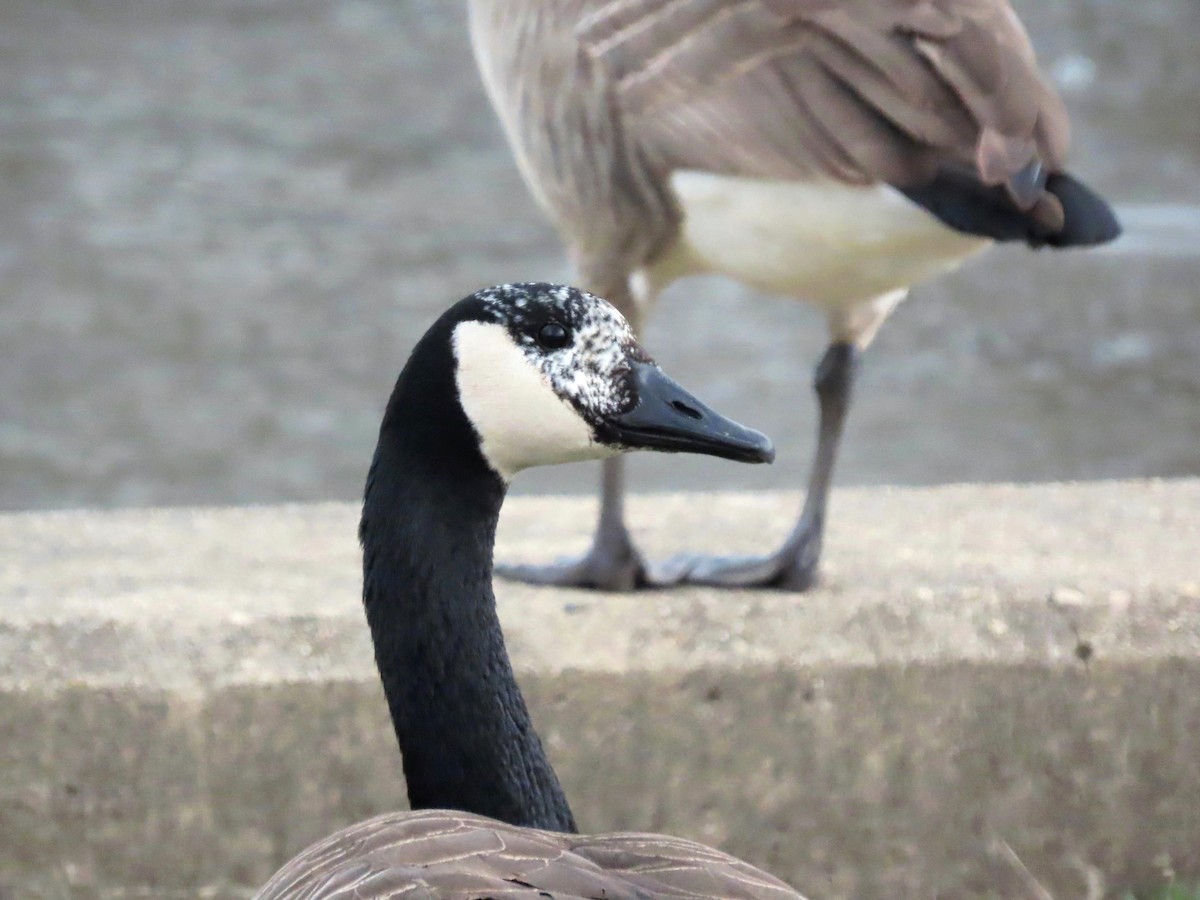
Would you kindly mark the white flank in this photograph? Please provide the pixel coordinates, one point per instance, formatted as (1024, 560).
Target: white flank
(831, 244)
(519, 419)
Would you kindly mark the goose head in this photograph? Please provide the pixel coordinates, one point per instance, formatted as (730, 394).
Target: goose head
(550, 374)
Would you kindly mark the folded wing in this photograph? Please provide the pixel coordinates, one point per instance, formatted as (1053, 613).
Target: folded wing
(861, 91)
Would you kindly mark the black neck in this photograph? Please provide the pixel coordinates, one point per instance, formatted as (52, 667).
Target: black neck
(428, 527)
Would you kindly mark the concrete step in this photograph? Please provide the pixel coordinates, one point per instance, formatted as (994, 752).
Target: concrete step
(995, 687)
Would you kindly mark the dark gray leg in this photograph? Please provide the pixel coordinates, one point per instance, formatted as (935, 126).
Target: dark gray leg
(794, 566)
(612, 563)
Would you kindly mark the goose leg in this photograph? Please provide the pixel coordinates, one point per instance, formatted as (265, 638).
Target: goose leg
(612, 563)
(794, 566)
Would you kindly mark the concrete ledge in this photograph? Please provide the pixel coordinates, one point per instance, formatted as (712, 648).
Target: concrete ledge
(995, 685)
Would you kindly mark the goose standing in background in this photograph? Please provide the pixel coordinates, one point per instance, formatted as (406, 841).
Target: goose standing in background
(511, 377)
(837, 151)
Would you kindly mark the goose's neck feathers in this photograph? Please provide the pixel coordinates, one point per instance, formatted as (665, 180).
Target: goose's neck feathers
(464, 730)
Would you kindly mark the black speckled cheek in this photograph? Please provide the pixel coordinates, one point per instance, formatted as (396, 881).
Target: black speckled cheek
(592, 373)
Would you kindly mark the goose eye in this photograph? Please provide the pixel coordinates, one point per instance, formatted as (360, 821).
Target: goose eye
(553, 336)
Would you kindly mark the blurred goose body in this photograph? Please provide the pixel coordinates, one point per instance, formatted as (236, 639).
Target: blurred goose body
(511, 377)
(836, 151)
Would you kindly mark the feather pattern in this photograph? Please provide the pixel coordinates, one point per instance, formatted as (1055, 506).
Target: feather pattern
(582, 166)
(434, 853)
(856, 90)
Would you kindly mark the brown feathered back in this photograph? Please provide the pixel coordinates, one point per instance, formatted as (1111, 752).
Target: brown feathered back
(456, 855)
(857, 90)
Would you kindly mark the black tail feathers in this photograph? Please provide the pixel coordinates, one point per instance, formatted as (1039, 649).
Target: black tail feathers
(960, 201)
(1087, 218)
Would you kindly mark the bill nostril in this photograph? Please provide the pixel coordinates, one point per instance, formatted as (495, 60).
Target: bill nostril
(681, 407)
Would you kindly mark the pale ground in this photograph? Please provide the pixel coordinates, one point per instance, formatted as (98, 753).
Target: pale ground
(938, 560)
(994, 684)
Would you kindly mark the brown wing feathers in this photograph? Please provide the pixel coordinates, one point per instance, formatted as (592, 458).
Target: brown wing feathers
(458, 855)
(858, 90)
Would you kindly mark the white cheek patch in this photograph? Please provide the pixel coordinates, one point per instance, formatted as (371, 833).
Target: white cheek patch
(519, 419)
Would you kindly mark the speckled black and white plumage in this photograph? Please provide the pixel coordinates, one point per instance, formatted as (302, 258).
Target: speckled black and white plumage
(592, 371)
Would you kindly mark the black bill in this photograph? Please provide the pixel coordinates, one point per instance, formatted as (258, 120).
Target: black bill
(666, 417)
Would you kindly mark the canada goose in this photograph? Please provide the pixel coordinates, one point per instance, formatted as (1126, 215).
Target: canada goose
(513, 376)
(837, 151)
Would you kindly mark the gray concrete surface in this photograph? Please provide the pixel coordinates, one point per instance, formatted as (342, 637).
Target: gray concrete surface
(223, 224)
(996, 687)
